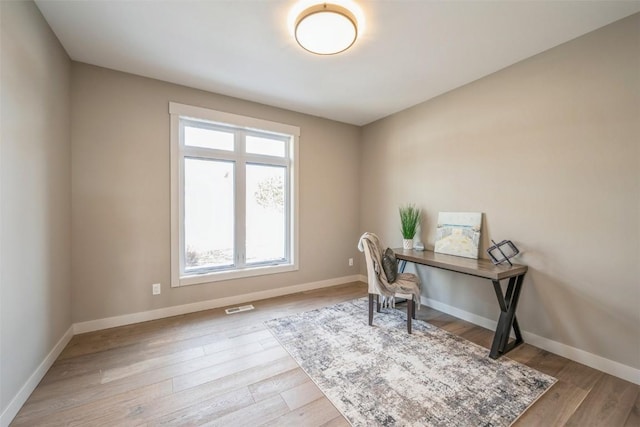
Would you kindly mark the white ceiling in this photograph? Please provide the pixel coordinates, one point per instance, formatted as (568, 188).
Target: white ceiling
(409, 52)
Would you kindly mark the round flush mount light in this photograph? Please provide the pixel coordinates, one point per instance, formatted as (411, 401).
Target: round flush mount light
(326, 29)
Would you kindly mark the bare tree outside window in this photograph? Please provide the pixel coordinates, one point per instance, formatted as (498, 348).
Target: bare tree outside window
(270, 193)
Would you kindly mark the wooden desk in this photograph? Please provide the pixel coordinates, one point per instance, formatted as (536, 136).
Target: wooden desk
(485, 269)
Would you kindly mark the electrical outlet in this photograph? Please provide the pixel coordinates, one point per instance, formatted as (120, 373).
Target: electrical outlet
(155, 289)
(350, 262)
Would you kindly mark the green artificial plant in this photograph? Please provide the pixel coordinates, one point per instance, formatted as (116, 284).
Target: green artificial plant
(409, 220)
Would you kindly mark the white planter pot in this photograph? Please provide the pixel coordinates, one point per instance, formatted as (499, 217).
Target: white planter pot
(407, 243)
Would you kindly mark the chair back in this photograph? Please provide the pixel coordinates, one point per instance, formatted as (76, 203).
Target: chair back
(373, 266)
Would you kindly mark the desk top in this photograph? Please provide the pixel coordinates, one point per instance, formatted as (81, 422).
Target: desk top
(474, 267)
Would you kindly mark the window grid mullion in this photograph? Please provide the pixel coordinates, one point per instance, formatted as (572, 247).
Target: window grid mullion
(265, 160)
(207, 153)
(240, 201)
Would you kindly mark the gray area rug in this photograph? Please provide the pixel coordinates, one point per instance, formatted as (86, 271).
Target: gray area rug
(381, 375)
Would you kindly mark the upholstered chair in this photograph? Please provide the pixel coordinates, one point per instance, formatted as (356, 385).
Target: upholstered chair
(383, 288)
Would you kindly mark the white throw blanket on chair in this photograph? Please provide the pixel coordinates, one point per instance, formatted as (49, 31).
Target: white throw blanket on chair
(405, 283)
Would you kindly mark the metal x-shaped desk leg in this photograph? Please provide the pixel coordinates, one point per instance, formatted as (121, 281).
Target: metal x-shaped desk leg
(508, 304)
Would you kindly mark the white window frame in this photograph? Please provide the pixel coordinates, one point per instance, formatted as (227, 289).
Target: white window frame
(246, 125)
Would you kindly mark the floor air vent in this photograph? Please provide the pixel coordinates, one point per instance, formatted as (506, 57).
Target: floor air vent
(234, 310)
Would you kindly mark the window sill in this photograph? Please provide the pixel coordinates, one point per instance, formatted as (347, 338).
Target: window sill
(196, 279)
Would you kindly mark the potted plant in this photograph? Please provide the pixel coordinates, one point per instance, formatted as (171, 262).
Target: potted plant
(409, 220)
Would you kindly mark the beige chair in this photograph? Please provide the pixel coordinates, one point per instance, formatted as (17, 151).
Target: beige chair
(406, 285)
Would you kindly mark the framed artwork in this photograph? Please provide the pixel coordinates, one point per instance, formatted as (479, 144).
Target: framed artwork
(458, 233)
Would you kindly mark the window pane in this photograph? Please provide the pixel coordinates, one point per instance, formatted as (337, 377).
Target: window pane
(266, 146)
(208, 138)
(208, 214)
(266, 214)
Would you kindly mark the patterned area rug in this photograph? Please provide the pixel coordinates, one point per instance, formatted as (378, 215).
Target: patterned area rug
(381, 375)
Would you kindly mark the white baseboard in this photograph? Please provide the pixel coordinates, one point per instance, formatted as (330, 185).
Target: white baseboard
(128, 319)
(592, 360)
(600, 363)
(21, 397)
(460, 314)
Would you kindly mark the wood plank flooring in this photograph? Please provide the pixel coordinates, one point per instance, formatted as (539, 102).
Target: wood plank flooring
(209, 368)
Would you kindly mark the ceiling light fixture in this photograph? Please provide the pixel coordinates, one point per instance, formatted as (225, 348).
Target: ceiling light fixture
(326, 29)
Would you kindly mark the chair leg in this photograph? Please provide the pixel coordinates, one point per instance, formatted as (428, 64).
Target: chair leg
(410, 314)
(370, 309)
(413, 309)
(378, 303)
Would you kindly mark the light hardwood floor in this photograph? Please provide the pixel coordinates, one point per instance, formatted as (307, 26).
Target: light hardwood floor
(216, 369)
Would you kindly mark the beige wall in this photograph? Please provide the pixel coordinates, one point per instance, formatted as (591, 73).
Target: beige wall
(35, 216)
(548, 149)
(121, 205)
